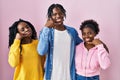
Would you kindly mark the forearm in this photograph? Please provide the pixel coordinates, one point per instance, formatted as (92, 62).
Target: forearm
(103, 57)
(43, 43)
(14, 53)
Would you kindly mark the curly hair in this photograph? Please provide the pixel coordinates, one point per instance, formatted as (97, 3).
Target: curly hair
(13, 31)
(50, 9)
(91, 24)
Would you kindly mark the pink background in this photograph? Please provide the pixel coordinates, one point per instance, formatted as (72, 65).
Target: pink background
(105, 12)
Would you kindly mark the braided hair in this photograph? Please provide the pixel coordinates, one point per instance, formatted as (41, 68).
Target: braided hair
(50, 9)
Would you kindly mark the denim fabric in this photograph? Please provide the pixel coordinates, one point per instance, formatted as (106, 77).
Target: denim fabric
(79, 77)
(45, 46)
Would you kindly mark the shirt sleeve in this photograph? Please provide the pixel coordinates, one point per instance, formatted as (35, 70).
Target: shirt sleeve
(103, 57)
(14, 53)
(43, 44)
(78, 39)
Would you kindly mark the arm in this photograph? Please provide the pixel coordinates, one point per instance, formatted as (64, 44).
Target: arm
(97, 42)
(105, 47)
(14, 53)
(43, 60)
(43, 44)
(78, 39)
(103, 57)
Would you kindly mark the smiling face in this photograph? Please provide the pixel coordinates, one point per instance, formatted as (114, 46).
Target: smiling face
(24, 29)
(88, 34)
(57, 16)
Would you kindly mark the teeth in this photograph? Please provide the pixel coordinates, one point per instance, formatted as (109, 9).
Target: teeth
(59, 20)
(87, 39)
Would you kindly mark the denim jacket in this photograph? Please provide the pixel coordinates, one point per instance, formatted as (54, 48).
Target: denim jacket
(46, 46)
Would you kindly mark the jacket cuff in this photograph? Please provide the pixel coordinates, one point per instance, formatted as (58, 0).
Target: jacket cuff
(16, 42)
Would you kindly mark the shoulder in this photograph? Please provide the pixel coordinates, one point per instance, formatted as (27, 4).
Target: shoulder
(81, 45)
(46, 30)
(35, 41)
(69, 28)
(80, 48)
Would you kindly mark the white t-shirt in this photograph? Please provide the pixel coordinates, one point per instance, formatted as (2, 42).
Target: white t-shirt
(61, 56)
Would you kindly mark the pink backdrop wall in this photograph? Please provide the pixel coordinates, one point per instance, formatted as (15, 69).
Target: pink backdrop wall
(105, 12)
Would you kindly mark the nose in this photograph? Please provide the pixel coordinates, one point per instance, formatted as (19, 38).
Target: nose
(26, 29)
(58, 15)
(86, 35)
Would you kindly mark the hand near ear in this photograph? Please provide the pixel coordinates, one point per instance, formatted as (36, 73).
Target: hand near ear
(49, 23)
(18, 36)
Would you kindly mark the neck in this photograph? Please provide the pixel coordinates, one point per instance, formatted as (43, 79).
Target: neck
(26, 40)
(89, 46)
(60, 28)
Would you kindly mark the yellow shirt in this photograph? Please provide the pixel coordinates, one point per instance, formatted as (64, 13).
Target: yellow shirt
(28, 64)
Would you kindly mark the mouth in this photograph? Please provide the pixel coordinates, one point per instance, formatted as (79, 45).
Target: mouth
(59, 20)
(87, 39)
(28, 33)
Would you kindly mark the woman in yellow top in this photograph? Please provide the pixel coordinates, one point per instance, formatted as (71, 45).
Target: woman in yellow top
(23, 53)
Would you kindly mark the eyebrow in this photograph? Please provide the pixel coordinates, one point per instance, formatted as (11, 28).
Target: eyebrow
(26, 25)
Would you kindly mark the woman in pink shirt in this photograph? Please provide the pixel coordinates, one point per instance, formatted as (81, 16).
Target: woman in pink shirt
(91, 55)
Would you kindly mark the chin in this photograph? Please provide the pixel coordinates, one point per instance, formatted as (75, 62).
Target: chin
(87, 41)
(58, 24)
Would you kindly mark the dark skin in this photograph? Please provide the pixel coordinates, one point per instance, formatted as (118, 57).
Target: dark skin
(56, 20)
(93, 43)
(24, 33)
(88, 36)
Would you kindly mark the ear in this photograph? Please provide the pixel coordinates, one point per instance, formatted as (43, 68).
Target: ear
(95, 34)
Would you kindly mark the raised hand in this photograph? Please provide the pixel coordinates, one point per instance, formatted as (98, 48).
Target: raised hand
(95, 42)
(49, 23)
(18, 36)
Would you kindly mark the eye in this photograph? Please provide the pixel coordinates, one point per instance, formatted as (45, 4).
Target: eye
(89, 33)
(83, 34)
(22, 29)
(27, 26)
(60, 13)
(54, 14)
